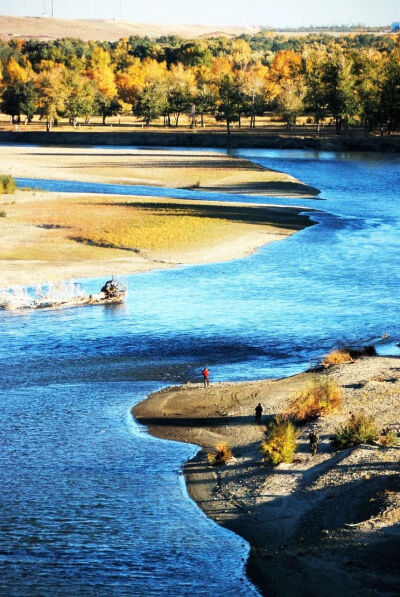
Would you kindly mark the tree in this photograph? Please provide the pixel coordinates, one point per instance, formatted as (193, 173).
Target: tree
(230, 101)
(151, 103)
(369, 74)
(101, 73)
(339, 84)
(204, 103)
(51, 93)
(315, 97)
(289, 102)
(19, 98)
(80, 95)
(107, 107)
(390, 98)
(14, 72)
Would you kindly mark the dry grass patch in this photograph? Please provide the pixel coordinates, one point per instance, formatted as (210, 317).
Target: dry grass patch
(319, 397)
(7, 184)
(104, 223)
(337, 357)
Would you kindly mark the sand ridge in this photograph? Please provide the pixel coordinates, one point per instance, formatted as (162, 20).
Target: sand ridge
(331, 520)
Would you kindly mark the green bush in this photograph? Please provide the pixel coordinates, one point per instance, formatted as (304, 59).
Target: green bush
(318, 397)
(280, 442)
(359, 429)
(7, 184)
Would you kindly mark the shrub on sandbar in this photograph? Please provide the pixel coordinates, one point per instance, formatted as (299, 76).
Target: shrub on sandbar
(359, 429)
(280, 442)
(318, 397)
(336, 357)
(7, 184)
(388, 439)
(221, 456)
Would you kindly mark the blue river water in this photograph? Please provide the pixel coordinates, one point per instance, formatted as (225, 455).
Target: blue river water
(92, 505)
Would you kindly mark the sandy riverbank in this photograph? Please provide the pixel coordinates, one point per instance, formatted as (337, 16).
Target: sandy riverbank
(205, 170)
(51, 236)
(328, 523)
(48, 236)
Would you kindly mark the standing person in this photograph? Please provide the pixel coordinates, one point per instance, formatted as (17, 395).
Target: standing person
(259, 409)
(206, 376)
(313, 437)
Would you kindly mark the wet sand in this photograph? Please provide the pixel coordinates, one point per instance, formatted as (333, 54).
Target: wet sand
(328, 521)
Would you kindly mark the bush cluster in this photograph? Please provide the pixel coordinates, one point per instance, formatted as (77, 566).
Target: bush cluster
(359, 429)
(336, 357)
(318, 397)
(7, 184)
(280, 442)
(388, 439)
(221, 456)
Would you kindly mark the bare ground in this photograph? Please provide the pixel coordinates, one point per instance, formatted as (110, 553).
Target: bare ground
(197, 170)
(46, 28)
(328, 523)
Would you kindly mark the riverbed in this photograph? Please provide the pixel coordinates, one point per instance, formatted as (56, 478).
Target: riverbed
(90, 503)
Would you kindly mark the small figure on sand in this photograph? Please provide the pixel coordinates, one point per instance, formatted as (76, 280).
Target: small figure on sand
(313, 437)
(258, 410)
(206, 376)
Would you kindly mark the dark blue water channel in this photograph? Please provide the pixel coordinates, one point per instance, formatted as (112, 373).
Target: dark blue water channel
(89, 503)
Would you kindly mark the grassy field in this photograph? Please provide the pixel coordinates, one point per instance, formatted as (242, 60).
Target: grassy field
(79, 228)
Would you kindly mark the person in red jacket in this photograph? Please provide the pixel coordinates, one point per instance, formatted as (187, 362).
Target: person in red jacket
(206, 376)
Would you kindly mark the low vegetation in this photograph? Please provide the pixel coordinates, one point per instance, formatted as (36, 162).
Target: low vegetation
(7, 184)
(388, 439)
(280, 442)
(359, 429)
(100, 222)
(336, 357)
(3, 214)
(321, 396)
(221, 456)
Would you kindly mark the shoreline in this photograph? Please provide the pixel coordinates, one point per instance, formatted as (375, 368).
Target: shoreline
(305, 521)
(205, 139)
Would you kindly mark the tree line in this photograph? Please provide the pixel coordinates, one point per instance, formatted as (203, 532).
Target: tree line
(353, 80)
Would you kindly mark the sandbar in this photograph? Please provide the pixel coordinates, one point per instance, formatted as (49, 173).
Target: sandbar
(327, 523)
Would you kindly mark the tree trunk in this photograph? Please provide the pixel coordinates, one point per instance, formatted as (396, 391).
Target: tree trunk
(228, 127)
(104, 119)
(177, 118)
(202, 119)
(48, 126)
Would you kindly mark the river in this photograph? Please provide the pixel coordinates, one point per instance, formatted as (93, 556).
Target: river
(92, 505)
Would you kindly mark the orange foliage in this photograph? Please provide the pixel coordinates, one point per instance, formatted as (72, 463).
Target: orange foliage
(101, 73)
(14, 72)
(285, 64)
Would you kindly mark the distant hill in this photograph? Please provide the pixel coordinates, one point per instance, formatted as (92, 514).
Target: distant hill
(46, 28)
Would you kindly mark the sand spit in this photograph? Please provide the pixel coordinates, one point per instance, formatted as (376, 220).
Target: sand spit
(328, 523)
(194, 169)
